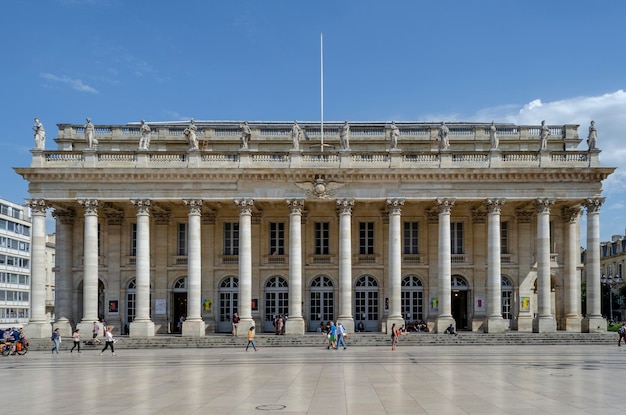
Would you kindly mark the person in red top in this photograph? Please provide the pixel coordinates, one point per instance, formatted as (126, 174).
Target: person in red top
(235, 324)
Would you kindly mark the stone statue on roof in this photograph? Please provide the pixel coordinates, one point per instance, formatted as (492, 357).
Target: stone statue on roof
(442, 136)
(544, 133)
(395, 135)
(592, 138)
(90, 134)
(344, 136)
(144, 141)
(40, 134)
(296, 135)
(190, 133)
(493, 136)
(246, 135)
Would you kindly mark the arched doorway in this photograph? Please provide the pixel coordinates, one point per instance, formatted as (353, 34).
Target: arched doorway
(322, 308)
(366, 303)
(460, 302)
(276, 301)
(412, 298)
(131, 304)
(179, 303)
(228, 303)
(79, 302)
(507, 299)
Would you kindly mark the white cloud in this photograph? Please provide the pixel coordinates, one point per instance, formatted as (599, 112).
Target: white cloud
(75, 84)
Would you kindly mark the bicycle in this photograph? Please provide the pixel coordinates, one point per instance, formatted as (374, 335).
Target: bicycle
(21, 347)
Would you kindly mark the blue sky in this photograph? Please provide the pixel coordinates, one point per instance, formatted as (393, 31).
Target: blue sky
(120, 61)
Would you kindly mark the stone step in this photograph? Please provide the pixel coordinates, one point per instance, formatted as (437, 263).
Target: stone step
(356, 339)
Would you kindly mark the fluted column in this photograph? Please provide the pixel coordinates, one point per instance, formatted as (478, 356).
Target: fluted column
(593, 322)
(90, 262)
(194, 325)
(295, 322)
(63, 277)
(344, 208)
(142, 325)
(571, 277)
(245, 265)
(395, 263)
(38, 326)
(494, 323)
(545, 321)
(444, 318)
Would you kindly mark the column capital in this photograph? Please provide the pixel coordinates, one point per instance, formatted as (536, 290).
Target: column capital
(65, 216)
(142, 206)
(571, 214)
(344, 206)
(445, 205)
(295, 206)
(543, 205)
(194, 206)
(494, 205)
(245, 205)
(593, 204)
(395, 206)
(37, 206)
(90, 206)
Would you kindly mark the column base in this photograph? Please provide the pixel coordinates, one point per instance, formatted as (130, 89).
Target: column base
(525, 324)
(399, 321)
(65, 327)
(544, 325)
(442, 323)
(38, 330)
(573, 324)
(141, 328)
(495, 325)
(194, 328)
(294, 326)
(348, 323)
(594, 325)
(244, 326)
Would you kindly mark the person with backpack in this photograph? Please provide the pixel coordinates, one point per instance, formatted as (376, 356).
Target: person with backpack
(56, 340)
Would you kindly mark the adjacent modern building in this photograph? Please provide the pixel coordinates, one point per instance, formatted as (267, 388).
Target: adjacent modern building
(476, 225)
(612, 260)
(15, 250)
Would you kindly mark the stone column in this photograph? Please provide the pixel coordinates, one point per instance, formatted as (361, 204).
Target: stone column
(344, 208)
(142, 326)
(444, 317)
(295, 322)
(245, 265)
(38, 324)
(494, 323)
(593, 322)
(90, 265)
(523, 317)
(194, 325)
(544, 322)
(571, 277)
(395, 263)
(63, 285)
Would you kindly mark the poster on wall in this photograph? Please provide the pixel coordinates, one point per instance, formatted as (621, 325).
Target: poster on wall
(114, 306)
(160, 306)
(524, 303)
(479, 303)
(434, 303)
(255, 304)
(207, 303)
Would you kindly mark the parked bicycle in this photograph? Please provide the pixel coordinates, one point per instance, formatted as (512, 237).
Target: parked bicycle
(21, 347)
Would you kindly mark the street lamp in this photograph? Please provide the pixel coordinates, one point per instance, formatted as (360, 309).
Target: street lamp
(612, 282)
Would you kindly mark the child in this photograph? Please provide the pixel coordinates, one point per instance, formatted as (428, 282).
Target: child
(251, 339)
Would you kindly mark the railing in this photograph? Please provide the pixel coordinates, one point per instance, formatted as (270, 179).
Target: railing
(505, 258)
(177, 260)
(366, 258)
(458, 258)
(275, 259)
(412, 259)
(322, 259)
(229, 259)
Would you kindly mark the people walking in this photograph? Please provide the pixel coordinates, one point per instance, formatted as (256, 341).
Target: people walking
(56, 340)
(333, 336)
(251, 339)
(94, 333)
(108, 337)
(76, 340)
(341, 334)
(394, 337)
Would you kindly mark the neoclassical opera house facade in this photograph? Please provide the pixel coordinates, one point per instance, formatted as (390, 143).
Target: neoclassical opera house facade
(477, 225)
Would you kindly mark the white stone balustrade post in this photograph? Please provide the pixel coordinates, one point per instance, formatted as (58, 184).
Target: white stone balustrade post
(295, 322)
(142, 326)
(544, 322)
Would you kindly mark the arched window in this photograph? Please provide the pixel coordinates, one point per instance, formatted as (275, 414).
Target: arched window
(412, 298)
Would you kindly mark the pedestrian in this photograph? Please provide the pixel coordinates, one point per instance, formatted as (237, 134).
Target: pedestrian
(235, 324)
(450, 330)
(76, 340)
(341, 334)
(333, 336)
(394, 336)
(108, 338)
(56, 340)
(251, 339)
(622, 334)
(94, 332)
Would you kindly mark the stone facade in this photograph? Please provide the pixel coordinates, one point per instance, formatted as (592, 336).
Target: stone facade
(483, 237)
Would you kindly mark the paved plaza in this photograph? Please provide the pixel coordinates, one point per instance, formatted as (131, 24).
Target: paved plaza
(521, 379)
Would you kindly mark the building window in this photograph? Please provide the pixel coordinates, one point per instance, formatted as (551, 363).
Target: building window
(277, 238)
(507, 298)
(322, 238)
(133, 239)
(411, 238)
(366, 238)
(182, 239)
(456, 238)
(504, 238)
(231, 238)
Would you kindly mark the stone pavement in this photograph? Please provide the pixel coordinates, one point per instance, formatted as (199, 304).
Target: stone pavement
(525, 379)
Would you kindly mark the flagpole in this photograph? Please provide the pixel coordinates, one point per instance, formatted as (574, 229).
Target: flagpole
(321, 92)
